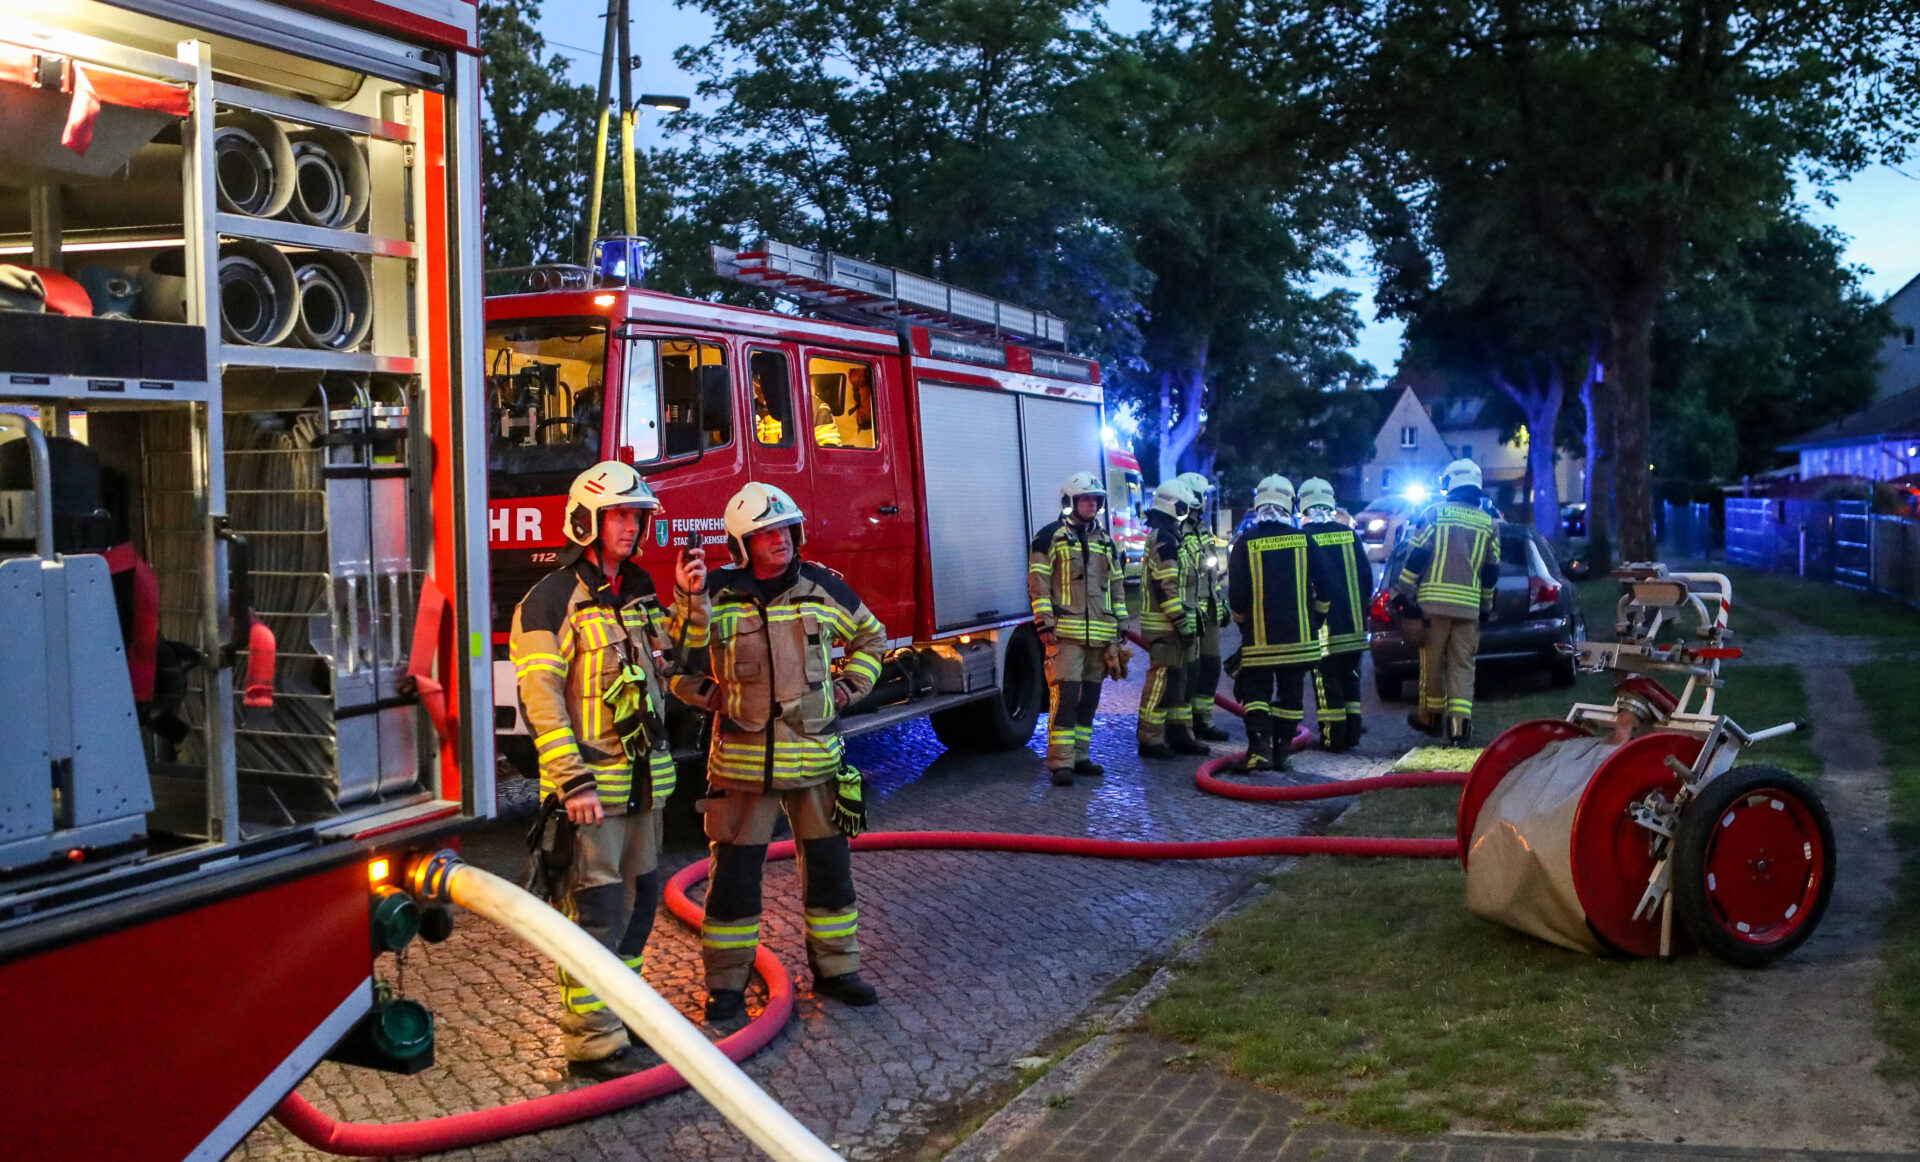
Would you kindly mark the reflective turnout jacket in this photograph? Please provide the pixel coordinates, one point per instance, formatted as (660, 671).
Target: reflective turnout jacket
(1075, 582)
(770, 656)
(1277, 586)
(1166, 580)
(573, 633)
(1208, 602)
(1453, 563)
(1350, 577)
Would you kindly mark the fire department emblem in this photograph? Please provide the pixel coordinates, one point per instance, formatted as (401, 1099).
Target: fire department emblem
(660, 533)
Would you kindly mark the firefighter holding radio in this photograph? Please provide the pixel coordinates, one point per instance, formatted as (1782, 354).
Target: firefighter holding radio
(593, 652)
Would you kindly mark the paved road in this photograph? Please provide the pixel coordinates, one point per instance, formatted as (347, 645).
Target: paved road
(979, 957)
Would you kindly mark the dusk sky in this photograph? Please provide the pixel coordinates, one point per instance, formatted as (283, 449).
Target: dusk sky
(1872, 212)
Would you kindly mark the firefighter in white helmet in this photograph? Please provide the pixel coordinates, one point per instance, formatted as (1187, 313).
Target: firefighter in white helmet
(776, 696)
(593, 650)
(1276, 584)
(1448, 579)
(1343, 630)
(1079, 595)
(1171, 624)
(1203, 681)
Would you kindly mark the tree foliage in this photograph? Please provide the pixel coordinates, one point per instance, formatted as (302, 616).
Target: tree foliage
(536, 141)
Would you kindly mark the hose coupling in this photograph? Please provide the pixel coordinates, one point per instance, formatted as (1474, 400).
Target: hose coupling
(428, 876)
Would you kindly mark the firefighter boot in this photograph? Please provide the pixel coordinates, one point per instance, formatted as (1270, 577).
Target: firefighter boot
(1460, 732)
(1089, 768)
(622, 1062)
(1352, 729)
(1063, 776)
(1180, 738)
(1205, 730)
(726, 1006)
(847, 988)
(1421, 724)
(1157, 750)
(1259, 756)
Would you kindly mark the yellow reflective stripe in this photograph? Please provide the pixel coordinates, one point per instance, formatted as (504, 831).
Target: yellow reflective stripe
(730, 935)
(830, 926)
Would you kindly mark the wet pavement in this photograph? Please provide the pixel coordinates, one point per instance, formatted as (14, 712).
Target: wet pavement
(980, 958)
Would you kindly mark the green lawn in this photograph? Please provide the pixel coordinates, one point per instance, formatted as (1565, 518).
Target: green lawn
(1366, 987)
(1820, 604)
(1889, 690)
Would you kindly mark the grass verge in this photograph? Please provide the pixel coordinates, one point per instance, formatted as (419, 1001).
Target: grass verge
(1366, 987)
(1888, 689)
(1833, 608)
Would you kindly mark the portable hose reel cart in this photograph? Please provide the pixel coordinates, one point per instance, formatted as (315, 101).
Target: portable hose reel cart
(1582, 834)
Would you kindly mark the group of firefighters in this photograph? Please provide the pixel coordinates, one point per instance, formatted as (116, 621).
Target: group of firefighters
(597, 651)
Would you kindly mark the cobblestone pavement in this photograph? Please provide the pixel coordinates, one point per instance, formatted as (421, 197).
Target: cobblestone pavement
(1145, 1104)
(979, 959)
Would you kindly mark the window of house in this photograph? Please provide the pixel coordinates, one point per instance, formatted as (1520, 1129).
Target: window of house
(772, 399)
(696, 396)
(1906, 336)
(842, 395)
(1409, 437)
(1386, 480)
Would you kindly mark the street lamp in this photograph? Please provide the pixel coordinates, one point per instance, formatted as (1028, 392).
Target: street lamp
(664, 103)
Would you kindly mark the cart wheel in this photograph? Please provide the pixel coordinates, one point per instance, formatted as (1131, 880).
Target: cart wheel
(1514, 745)
(1753, 865)
(1613, 855)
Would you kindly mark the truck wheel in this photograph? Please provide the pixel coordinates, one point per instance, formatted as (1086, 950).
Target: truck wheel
(1753, 865)
(1003, 721)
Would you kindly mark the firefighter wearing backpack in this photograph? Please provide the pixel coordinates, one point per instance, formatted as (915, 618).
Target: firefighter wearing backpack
(1276, 586)
(592, 652)
(1079, 596)
(1171, 625)
(776, 696)
(1449, 578)
(1204, 679)
(1343, 631)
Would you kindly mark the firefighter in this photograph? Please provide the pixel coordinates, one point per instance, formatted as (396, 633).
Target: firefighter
(1276, 587)
(1343, 631)
(1449, 577)
(1078, 590)
(769, 679)
(1204, 679)
(1171, 625)
(588, 645)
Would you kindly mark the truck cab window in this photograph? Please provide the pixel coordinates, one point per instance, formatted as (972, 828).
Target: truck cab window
(842, 403)
(696, 396)
(772, 399)
(546, 396)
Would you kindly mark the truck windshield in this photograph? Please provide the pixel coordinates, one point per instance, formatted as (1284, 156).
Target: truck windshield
(546, 396)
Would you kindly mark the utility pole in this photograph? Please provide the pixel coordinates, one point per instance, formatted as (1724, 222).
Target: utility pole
(615, 45)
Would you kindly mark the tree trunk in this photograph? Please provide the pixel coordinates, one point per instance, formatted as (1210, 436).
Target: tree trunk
(1177, 437)
(1597, 397)
(1540, 404)
(1632, 333)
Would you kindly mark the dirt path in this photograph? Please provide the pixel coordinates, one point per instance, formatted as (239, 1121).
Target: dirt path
(1785, 1057)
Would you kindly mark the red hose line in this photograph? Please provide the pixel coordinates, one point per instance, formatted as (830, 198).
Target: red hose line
(312, 1126)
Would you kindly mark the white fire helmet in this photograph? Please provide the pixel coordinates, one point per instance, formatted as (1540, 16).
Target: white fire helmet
(1175, 499)
(1274, 492)
(607, 485)
(1082, 484)
(759, 507)
(1316, 493)
(1460, 474)
(1197, 484)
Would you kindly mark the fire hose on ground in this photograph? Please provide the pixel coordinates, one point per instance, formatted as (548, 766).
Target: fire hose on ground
(709, 1066)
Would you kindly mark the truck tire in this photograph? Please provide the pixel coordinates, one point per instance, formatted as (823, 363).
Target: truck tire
(1753, 865)
(1002, 721)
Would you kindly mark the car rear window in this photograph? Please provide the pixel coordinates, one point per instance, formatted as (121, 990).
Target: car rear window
(1515, 552)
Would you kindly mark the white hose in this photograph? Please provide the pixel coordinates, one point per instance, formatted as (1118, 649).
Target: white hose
(671, 1035)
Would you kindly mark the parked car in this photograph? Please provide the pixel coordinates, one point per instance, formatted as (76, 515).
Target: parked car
(1573, 519)
(1533, 615)
(1379, 524)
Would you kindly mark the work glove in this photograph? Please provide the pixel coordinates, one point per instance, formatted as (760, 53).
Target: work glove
(1486, 614)
(1232, 664)
(549, 852)
(849, 801)
(1117, 656)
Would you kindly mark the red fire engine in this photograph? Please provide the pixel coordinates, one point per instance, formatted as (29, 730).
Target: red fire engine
(241, 563)
(923, 429)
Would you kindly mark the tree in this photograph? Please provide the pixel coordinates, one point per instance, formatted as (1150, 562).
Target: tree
(1619, 136)
(536, 141)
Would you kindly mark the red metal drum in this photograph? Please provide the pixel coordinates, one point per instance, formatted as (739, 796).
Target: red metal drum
(1613, 855)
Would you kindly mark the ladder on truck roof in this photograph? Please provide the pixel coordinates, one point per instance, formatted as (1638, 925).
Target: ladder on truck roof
(854, 290)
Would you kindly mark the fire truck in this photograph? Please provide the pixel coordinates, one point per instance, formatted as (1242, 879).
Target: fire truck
(242, 566)
(923, 429)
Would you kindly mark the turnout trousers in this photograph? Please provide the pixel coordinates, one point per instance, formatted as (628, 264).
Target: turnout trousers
(1203, 679)
(1163, 699)
(1446, 669)
(1075, 670)
(1336, 688)
(613, 894)
(739, 824)
(1273, 699)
